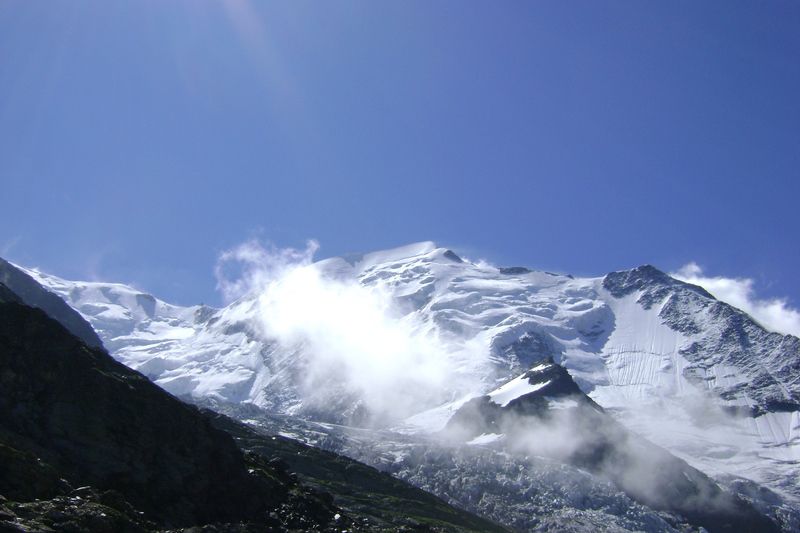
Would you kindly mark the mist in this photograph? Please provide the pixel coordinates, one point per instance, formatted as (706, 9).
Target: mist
(357, 344)
(579, 433)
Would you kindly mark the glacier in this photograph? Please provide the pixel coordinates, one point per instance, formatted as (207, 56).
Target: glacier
(662, 357)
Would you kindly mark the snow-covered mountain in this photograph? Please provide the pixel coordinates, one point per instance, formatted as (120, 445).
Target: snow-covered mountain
(662, 357)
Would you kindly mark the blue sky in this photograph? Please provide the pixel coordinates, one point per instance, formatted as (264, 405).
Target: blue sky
(139, 139)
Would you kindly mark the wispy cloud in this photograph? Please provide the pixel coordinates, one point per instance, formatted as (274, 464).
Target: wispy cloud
(773, 313)
(253, 266)
(351, 340)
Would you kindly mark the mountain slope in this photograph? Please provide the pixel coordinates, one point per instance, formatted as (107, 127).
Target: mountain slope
(662, 357)
(72, 416)
(545, 404)
(765, 369)
(33, 294)
(387, 501)
(97, 423)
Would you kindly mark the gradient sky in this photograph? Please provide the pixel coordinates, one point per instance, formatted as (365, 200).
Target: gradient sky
(139, 139)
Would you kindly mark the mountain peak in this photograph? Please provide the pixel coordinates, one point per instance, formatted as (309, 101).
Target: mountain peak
(633, 341)
(645, 277)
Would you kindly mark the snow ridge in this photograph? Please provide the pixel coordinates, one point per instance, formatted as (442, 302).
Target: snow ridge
(664, 357)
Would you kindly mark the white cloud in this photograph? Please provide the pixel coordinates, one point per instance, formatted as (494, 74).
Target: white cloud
(252, 266)
(774, 314)
(351, 338)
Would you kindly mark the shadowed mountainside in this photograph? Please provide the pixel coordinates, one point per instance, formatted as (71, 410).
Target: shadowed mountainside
(89, 445)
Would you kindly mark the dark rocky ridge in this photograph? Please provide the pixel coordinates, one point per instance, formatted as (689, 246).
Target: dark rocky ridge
(482, 415)
(513, 271)
(451, 255)
(771, 361)
(594, 441)
(71, 416)
(648, 278)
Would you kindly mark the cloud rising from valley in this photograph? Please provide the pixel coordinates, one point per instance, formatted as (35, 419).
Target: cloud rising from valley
(357, 344)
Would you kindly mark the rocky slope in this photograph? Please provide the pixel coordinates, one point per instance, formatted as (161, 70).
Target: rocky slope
(90, 445)
(545, 404)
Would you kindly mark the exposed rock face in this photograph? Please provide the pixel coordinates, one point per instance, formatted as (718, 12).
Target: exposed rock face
(722, 336)
(80, 510)
(585, 436)
(656, 284)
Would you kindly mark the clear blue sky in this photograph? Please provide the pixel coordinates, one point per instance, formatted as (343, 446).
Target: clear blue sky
(138, 139)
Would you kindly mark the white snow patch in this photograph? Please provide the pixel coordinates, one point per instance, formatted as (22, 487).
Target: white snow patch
(486, 438)
(515, 388)
(432, 420)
